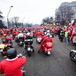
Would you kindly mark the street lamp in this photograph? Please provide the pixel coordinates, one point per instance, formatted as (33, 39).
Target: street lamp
(8, 15)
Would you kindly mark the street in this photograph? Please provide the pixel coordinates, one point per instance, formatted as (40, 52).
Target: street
(58, 64)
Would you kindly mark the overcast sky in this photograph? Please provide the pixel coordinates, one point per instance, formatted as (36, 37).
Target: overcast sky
(32, 11)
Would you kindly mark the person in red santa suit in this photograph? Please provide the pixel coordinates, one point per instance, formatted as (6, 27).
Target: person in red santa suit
(43, 42)
(39, 33)
(11, 66)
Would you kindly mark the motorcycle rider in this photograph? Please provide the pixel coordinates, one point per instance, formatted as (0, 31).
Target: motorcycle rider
(39, 33)
(9, 39)
(28, 39)
(28, 42)
(11, 66)
(48, 33)
(44, 40)
(20, 36)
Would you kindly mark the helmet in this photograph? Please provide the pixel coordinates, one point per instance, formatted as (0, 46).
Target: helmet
(11, 53)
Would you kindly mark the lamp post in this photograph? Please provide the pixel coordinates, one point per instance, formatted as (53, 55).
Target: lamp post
(8, 15)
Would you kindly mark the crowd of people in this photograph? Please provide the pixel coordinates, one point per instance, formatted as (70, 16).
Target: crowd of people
(65, 34)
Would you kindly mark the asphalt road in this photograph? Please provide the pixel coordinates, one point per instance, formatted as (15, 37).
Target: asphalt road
(58, 64)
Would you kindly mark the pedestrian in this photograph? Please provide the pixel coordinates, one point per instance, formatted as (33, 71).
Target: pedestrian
(59, 30)
(66, 37)
(61, 35)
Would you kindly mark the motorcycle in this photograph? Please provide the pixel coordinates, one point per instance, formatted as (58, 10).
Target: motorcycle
(20, 42)
(3, 49)
(38, 39)
(9, 42)
(47, 48)
(73, 55)
(28, 47)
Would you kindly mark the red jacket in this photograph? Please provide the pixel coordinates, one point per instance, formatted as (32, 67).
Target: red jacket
(12, 67)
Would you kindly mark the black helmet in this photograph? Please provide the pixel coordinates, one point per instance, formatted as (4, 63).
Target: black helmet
(11, 53)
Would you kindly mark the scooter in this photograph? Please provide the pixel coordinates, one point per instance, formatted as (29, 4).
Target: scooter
(28, 47)
(47, 48)
(73, 55)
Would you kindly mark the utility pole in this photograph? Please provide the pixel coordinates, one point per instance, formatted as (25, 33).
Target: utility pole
(8, 15)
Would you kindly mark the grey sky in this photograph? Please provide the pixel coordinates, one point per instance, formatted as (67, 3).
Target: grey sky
(32, 11)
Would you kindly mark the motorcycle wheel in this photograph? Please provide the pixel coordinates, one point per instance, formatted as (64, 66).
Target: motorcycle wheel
(72, 55)
(29, 53)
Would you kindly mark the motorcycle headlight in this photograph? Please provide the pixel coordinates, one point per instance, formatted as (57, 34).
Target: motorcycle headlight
(29, 48)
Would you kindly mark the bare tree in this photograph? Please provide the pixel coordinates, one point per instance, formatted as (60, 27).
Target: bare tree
(65, 13)
(15, 21)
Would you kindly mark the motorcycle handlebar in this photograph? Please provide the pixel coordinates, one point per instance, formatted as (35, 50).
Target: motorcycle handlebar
(20, 55)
